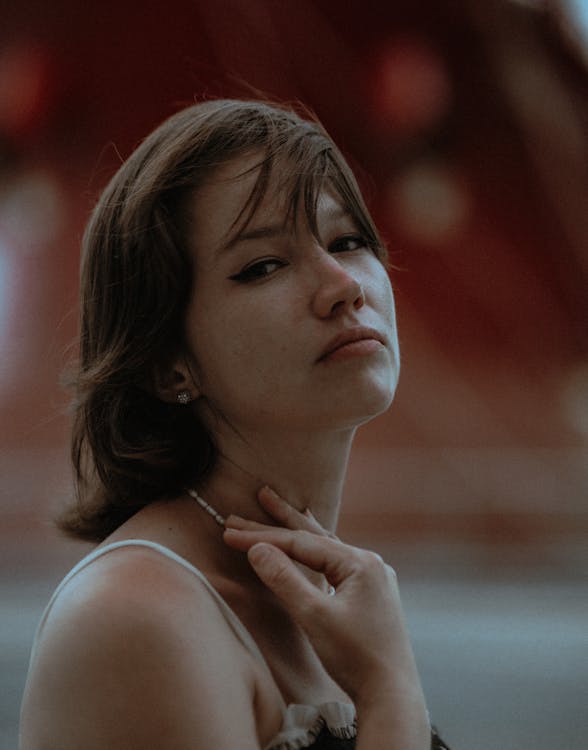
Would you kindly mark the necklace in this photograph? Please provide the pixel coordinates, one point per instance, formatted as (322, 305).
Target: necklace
(207, 507)
(221, 521)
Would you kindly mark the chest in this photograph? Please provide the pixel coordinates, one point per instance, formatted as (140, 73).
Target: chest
(294, 668)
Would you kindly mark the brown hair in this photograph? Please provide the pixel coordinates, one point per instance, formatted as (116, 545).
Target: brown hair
(130, 448)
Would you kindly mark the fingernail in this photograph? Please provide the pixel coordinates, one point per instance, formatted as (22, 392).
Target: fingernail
(268, 490)
(308, 513)
(259, 553)
(234, 521)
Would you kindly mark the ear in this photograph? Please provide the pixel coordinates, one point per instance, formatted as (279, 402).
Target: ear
(174, 379)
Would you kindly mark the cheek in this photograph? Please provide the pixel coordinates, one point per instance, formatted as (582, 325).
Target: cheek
(382, 294)
(228, 343)
(383, 300)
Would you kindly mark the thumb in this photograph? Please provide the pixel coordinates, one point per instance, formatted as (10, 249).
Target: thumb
(281, 576)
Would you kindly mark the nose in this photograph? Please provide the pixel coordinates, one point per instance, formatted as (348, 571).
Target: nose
(337, 290)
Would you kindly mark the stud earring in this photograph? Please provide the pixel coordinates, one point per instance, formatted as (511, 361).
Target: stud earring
(184, 397)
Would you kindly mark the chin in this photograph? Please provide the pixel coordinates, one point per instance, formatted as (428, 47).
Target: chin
(378, 404)
(377, 393)
(361, 404)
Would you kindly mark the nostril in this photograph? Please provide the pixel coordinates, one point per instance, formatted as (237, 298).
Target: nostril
(338, 290)
(337, 306)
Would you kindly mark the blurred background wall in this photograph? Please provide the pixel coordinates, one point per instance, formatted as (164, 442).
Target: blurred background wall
(466, 121)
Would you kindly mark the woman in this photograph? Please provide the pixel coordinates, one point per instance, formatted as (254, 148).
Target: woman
(237, 326)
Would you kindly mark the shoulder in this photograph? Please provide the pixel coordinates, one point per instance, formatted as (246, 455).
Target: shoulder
(135, 652)
(133, 588)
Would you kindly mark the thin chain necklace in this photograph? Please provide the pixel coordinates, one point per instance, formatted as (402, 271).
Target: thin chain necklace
(221, 520)
(207, 507)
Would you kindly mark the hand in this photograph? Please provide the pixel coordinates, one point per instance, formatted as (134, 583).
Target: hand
(359, 633)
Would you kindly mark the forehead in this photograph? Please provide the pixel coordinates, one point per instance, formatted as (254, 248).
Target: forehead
(223, 205)
(221, 200)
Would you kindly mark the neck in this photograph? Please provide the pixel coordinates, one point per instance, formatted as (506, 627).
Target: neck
(308, 471)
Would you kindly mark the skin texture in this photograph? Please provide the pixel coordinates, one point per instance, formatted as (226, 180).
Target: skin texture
(135, 653)
(272, 328)
(291, 420)
(370, 656)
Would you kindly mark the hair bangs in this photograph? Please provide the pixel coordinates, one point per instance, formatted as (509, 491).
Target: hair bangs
(299, 170)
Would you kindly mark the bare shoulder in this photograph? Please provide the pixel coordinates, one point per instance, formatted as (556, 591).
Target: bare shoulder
(136, 653)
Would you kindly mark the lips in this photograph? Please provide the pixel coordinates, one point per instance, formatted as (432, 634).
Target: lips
(350, 336)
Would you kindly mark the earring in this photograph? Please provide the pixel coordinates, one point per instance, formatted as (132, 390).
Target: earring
(184, 397)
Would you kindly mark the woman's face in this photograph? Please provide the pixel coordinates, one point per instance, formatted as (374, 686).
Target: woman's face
(270, 311)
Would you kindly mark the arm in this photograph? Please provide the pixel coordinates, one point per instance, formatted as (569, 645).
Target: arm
(359, 634)
(143, 661)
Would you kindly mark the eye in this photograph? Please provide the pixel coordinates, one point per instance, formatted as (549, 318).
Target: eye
(349, 242)
(260, 269)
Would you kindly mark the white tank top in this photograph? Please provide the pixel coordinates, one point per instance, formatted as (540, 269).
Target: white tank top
(301, 723)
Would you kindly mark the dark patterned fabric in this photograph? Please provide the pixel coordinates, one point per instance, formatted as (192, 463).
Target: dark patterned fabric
(326, 741)
(436, 741)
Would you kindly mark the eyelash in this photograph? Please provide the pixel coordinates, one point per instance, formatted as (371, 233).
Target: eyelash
(257, 270)
(362, 243)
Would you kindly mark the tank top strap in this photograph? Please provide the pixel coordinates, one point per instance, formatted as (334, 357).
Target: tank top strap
(232, 619)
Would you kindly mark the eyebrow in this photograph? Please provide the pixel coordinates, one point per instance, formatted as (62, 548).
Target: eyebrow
(259, 233)
(278, 230)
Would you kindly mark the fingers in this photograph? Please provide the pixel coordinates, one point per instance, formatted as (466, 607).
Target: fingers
(280, 575)
(277, 508)
(244, 524)
(282, 512)
(314, 526)
(300, 521)
(286, 514)
(334, 559)
(291, 519)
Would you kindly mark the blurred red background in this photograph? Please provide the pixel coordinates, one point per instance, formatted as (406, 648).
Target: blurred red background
(467, 124)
